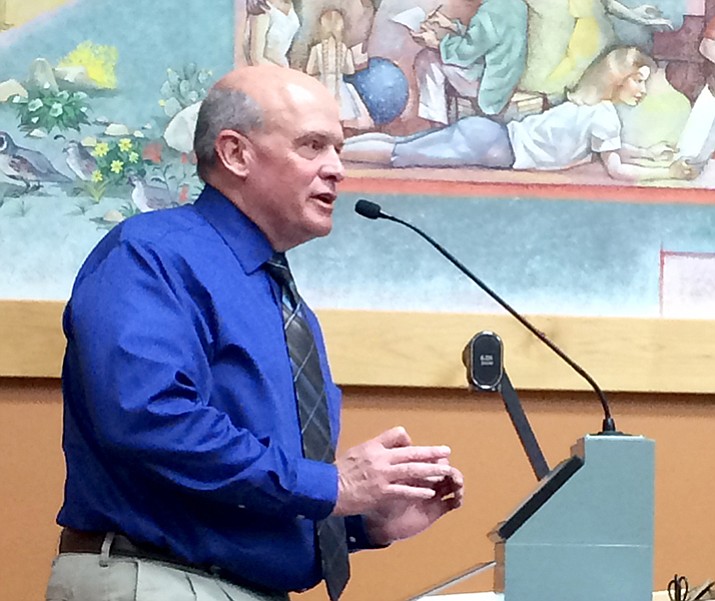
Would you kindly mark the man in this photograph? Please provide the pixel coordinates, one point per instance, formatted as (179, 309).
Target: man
(184, 396)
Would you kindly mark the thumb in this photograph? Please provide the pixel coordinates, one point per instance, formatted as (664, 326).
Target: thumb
(394, 438)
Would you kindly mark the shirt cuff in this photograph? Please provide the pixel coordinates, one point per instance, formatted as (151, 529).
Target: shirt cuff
(357, 534)
(461, 28)
(316, 489)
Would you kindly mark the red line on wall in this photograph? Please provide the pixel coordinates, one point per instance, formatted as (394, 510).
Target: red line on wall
(632, 194)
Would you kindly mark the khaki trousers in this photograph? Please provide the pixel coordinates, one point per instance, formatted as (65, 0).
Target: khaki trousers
(90, 577)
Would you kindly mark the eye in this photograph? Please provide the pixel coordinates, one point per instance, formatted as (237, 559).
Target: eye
(310, 148)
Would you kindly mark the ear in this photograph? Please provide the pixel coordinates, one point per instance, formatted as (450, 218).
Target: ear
(233, 152)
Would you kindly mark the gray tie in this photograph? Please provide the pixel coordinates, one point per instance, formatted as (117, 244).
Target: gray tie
(314, 419)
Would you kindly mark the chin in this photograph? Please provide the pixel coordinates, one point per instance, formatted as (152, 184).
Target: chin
(321, 232)
(316, 230)
(320, 223)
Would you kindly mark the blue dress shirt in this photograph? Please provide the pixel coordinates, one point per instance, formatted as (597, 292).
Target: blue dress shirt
(180, 421)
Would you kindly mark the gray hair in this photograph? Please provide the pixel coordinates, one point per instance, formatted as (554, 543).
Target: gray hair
(223, 108)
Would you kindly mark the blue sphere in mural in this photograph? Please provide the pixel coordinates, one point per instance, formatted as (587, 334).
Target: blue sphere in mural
(383, 88)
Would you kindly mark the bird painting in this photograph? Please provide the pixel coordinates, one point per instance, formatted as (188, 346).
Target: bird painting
(30, 167)
(79, 160)
(147, 197)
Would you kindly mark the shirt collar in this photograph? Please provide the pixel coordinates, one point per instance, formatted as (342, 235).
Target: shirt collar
(248, 243)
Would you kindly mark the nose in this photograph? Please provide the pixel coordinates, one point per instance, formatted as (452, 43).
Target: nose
(332, 167)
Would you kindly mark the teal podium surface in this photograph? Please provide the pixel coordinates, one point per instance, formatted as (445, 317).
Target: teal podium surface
(586, 532)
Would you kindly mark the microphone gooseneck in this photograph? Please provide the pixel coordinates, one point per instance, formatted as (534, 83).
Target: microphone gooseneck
(372, 210)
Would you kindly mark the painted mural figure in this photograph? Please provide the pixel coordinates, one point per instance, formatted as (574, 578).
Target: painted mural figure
(272, 25)
(27, 166)
(550, 24)
(638, 27)
(329, 60)
(572, 133)
(593, 32)
(483, 60)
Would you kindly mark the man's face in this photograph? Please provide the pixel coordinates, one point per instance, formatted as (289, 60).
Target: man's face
(295, 169)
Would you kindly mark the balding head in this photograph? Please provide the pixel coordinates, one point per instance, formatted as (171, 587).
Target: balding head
(252, 98)
(274, 88)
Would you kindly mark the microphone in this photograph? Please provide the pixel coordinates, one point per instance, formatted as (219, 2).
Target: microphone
(371, 210)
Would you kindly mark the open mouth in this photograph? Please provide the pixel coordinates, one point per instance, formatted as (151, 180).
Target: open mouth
(325, 197)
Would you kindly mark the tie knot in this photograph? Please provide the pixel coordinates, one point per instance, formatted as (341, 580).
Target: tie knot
(277, 267)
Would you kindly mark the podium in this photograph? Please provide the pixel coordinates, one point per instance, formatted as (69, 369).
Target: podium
(586, 532)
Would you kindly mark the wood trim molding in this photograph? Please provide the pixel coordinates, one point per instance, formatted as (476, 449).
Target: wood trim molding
(425, 349)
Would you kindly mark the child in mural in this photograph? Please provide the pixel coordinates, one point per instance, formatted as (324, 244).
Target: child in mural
(272, 25)
(563, 136)
(483, 60)
(328, 61)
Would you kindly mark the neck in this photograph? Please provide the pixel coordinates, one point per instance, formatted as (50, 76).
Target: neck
(230, 186)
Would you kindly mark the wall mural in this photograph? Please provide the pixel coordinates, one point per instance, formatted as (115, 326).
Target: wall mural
(602, 151)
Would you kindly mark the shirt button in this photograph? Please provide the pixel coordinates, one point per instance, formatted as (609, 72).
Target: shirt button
(242, 507)
(352, 539)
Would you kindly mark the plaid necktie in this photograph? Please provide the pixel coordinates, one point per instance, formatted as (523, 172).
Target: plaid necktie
(314, 419)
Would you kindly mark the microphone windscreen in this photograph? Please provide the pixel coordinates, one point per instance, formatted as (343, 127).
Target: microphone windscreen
(368, 209)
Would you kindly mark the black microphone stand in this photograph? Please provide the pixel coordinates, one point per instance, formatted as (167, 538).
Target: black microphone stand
(608, 426)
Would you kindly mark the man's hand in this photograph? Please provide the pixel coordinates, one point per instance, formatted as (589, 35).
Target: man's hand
(398, 519)
(388, 469)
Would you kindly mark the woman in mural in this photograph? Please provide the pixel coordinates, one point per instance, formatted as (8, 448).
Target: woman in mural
(328, 61)
(572, 133)
(272, 25)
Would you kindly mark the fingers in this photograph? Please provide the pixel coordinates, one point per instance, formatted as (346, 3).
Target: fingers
(455, 487)
(419, 472)
(410, 493)
(684, 169)
(398, 438)
(412, 454)
(390, 467)
(690, 170)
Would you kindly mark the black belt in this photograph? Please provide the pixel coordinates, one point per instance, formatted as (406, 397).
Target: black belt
(78, 541)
